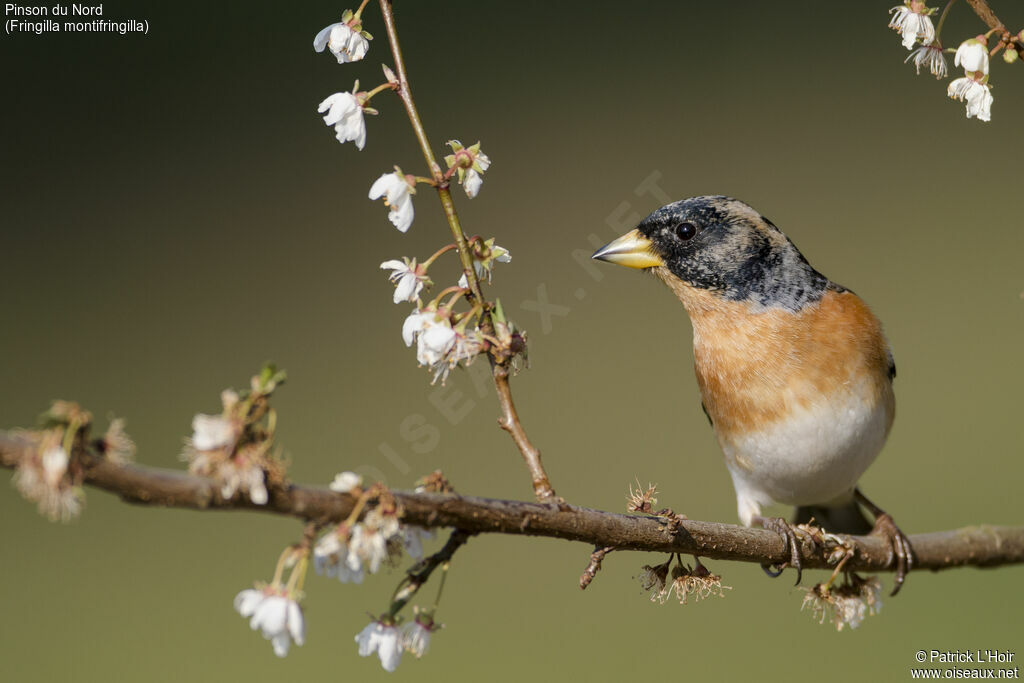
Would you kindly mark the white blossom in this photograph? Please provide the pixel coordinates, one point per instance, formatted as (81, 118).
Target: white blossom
(972, 55)
(240, 470)
(241, 474)
(247, 601)
(871, 592)
(472, 183)
(848, 611)
(386, 524)
(466, 347)
(369, 547)
(351, 569)
(275, 614)
(408, 280)
(397, 192)
(912, 21)
(387, 527)
(344, 42)
(481, 162)
(415, 323)
(55, 465)
(471, 164)
(416, 637)
(42, 478)
(846, 605)
(977, 96)
(434, 343)
(474, 175)
(210, 432)
(345, 482)
(433, 334)
(345, 113)
(326, 550)
(331, 557)
(930, 56)
(383, 639)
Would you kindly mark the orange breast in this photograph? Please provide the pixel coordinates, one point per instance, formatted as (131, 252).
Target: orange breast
(755, 365)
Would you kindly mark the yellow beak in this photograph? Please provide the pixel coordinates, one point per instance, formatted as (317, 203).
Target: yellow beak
(632, 250)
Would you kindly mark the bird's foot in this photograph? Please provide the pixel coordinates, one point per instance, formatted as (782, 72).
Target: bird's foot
(900, 551)
(899, 548)
(788, 533)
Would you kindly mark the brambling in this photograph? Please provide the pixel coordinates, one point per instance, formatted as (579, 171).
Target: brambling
(794, 372)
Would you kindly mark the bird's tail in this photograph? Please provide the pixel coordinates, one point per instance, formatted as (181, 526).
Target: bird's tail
(844, 519)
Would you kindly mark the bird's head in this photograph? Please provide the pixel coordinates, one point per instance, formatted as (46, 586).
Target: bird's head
(721, 246)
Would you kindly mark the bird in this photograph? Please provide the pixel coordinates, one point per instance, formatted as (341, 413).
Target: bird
(794, 371)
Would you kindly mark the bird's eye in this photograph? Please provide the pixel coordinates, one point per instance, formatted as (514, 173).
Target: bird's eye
(685, 231)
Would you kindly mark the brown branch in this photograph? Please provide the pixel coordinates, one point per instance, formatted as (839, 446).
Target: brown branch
(986, 14)
(509, 421)
(979, 546)
(594, 566)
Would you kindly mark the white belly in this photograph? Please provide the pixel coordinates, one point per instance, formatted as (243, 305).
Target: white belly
(814, 457)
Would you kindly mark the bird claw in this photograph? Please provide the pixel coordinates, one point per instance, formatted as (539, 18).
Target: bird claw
(783, 528)
(900, 550)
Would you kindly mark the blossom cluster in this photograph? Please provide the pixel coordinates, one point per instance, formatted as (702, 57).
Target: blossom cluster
(388, 640)
(345, 112)
(913, 22)
(682, 581)
(973, 88)
(43, 477)
(49, 474)
(443, 338)
(348, 551)
(234, 447)
(440, 344)
(846, 605)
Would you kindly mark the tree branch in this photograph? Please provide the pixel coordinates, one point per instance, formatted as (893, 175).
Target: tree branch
(979, 546)
(986, 14)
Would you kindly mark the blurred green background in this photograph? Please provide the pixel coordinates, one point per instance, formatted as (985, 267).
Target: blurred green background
(175, 213)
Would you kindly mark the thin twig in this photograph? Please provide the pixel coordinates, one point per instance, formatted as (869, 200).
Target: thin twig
(420, 572)
(594, 567)
(509, 419)
(942, 22)
(405, 92)
(979, 546)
